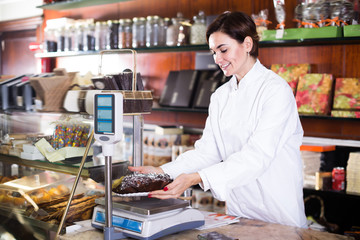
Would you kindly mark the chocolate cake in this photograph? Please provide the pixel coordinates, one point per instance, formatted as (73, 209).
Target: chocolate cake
(138, 182)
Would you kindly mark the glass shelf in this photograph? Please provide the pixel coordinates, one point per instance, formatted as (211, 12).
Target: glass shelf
(90, 170)
(187, 48)
(70, 4)
(204, 47)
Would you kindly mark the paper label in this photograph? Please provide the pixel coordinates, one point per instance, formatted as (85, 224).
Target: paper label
(279, 33)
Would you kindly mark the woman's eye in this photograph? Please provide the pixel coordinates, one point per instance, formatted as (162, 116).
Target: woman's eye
(223, 51)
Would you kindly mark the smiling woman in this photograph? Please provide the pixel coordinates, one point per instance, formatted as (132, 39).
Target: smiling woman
(249, 153)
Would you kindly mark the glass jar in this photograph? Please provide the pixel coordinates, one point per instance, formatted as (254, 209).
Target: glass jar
(139, 32)
(69, 37)
(60, 38)
(114, 34)
(79, 36)
(89, 36)
(101, 35)
(50, 39)
(166, 24)
(198, 29)
(178, 33)
(172, 33)
(154, 34)
(125, 33)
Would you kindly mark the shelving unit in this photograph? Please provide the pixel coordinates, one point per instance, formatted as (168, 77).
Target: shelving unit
(192, 48)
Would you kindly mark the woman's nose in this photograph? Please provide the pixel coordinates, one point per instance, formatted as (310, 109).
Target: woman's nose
(217, 59)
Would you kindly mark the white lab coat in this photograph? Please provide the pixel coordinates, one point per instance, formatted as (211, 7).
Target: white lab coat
(249, 154)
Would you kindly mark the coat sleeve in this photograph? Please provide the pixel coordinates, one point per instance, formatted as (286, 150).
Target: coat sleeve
(205, 154)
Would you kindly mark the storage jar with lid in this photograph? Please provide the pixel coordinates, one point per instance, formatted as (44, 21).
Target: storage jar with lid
(154, 33)
(79, 36)
(50, 39)
(139, 32)
(69, 37)
(167, 23)
(89, 36)
(60, 37)
(198, 29)
(125, 33)
(113, 34)
(101, 32)
(177, 34)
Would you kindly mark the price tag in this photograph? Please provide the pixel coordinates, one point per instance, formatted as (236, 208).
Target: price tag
(279, 33)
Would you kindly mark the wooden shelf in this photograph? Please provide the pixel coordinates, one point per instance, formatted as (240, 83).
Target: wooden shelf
(187, 48)
(190, 48)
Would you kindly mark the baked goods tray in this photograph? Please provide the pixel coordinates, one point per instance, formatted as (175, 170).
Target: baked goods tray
(11, 213)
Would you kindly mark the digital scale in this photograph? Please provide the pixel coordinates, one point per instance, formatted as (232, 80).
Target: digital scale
(145, 218)
(149, 218)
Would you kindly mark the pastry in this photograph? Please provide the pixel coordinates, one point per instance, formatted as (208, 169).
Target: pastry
(139, 182)
(63, 189)
(54, 192)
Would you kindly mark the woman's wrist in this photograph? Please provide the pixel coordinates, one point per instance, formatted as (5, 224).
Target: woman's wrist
(195, 178)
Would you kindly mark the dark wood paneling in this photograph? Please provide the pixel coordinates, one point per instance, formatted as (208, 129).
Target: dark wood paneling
(331, 128)
(16, 58)
(169, 8)
(323, 59)
(351, 63)
(188, 119)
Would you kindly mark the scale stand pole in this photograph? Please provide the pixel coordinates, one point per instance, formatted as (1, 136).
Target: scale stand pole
(109, 231)
(108, 196)
(138, 122)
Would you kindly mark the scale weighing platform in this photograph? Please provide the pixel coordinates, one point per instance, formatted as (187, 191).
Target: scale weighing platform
(149, 218)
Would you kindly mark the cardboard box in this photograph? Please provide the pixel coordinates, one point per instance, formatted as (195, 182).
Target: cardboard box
(347, 94)
(345, 114)
(302, 33)
(313, 95)
(291, 72)
(351, 31)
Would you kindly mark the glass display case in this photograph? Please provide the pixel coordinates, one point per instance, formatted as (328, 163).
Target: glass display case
(48, 185)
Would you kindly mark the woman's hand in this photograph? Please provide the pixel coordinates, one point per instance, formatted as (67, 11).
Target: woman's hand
(146, 169)
(177, 187)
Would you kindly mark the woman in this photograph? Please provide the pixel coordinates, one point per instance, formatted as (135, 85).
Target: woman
(249, 154)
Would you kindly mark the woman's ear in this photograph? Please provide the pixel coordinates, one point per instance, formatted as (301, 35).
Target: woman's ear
(248, 43)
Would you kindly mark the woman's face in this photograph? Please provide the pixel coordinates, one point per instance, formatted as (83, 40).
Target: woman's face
(231, 56)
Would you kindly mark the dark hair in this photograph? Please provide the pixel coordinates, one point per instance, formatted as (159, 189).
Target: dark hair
(236, 25)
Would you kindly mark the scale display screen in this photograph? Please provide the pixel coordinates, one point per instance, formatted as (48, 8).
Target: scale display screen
(105, 101)
(120, 222)
(104, 126)
(104, 114)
